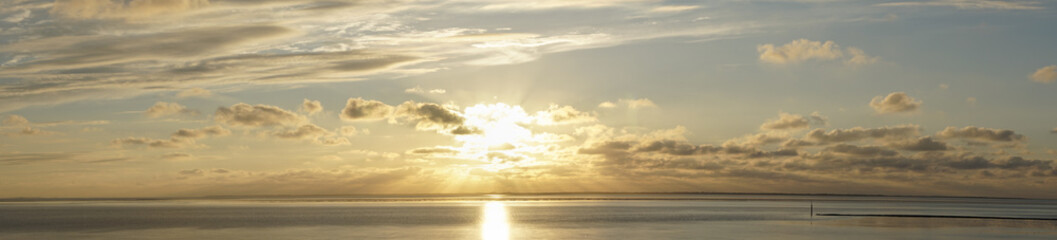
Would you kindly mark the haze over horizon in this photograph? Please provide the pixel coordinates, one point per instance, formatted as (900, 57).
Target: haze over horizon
(180, 98)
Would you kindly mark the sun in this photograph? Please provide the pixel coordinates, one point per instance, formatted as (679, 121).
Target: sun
(503, 137)
(500, 124)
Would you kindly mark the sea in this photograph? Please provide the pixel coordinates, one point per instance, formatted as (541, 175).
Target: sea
(547, 216)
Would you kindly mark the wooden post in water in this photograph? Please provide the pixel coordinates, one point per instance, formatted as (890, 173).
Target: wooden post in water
(812, 210)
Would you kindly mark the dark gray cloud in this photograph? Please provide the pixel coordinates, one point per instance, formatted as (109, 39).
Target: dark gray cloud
(861, 151)
(859, 133)
(201, 133)
(676, 148)
(242, 114)
(360, 109)
(983, 134)
(433, 117)
(920, 144)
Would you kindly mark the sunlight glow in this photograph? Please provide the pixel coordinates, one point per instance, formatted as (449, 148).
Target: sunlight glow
(494, 222)
(500, 124)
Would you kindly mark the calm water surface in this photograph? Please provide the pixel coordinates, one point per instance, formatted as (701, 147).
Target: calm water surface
(529, 217)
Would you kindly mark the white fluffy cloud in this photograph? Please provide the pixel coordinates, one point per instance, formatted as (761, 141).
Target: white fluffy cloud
(897, 102)
(1045, 74)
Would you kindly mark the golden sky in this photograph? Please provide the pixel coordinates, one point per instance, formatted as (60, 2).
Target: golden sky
(178, 98)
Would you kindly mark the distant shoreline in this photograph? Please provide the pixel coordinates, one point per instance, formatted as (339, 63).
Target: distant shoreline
(932, 216)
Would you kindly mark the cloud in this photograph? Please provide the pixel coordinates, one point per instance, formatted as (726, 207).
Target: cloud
(819, 119)
(1045, 74)
(333, 141)
(629, 103)
(155, 143)
(983, 134)
(360, 109)
(88, 54)
(212, 131)
(348, 131)
(858, 133)
(307, 131)
(672, 147)
(559, 115)
(177, 156)
(116, 49)
(167, 109)
(311, 107)
(435, 117)
(20, 158)
(29, 131)
(134, 9)
(242, 114)
(15, 120)
(971, 4)
(859, 57)
(799, 50)
(803, 50)
(194, 92)
(439, 150)
(861, 151)
(786, 121)
(920, 144)
(17, 17)
(673, 8)
(312, 133)
(419, 90)
(28, 128)
(896, 102)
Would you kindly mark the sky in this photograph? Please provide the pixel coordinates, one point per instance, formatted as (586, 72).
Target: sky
(188, 98)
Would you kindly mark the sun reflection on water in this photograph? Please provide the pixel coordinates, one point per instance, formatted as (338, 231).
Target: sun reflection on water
(494, 222)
